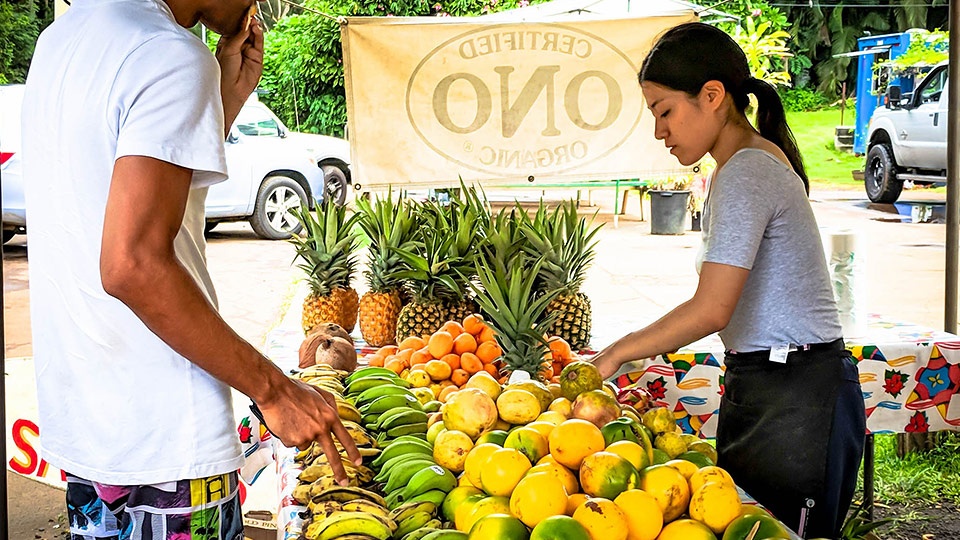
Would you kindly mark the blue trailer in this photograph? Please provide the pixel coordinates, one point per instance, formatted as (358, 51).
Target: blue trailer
(872, 50)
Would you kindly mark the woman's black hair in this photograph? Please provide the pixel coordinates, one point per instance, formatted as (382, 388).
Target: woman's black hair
(689, 55)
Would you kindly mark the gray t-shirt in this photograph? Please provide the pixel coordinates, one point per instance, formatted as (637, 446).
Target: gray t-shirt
(757, 217)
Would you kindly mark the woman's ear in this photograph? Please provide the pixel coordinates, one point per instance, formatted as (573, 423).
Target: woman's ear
(712, 94)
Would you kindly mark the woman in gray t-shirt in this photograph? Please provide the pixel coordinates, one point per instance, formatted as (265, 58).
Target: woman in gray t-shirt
(792, 422)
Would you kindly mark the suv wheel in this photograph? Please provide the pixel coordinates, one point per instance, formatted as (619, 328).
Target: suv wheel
(334, 184)
(273, 218)
(880, 175)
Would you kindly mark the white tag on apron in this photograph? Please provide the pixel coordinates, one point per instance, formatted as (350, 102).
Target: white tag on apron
(779, 353)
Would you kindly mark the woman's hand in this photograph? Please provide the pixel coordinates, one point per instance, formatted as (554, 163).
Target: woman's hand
(606, 364)
(241, 65)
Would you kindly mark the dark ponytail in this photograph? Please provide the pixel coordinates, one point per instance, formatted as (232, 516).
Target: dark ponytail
(689, 55)
(772, 124)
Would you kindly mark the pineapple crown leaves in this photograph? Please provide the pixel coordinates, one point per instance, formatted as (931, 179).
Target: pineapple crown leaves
(428, 271)
(503, 240)
(566, 241)
(515, 311)
(388, 225)
(328, 247)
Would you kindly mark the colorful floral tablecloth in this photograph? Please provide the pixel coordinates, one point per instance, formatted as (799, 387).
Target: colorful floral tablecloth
(910, 376)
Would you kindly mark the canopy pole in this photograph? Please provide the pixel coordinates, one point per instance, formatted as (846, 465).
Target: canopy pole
(4, 518)
(953, 173)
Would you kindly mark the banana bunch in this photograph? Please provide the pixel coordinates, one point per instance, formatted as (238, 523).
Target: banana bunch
(408, 473)
(386, 404)
(348, 513)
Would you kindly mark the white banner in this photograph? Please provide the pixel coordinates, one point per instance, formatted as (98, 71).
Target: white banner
(430, 100)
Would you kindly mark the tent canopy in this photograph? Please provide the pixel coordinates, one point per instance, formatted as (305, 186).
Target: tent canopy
(610, 8)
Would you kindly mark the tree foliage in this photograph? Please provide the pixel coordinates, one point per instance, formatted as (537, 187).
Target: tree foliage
(20, 24)
(303, 67)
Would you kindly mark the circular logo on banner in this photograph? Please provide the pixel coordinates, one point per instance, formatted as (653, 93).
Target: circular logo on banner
(524, 99)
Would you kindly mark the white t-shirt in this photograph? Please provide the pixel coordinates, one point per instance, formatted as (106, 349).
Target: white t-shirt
(114, 78)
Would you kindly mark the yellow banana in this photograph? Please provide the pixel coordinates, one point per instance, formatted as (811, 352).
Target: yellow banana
(364, 505)
(342, 523)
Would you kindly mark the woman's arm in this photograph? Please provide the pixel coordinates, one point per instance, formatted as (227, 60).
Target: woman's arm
(707, 312)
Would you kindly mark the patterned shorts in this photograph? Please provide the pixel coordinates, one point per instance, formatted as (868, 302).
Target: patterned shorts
(201, 509)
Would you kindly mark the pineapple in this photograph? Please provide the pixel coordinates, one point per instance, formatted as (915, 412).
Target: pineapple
(329, 260)
(516, 313)
(563, 239)
(429, 279)
(389, 226)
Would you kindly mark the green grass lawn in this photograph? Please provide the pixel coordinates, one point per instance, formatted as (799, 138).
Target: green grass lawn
(826, 167)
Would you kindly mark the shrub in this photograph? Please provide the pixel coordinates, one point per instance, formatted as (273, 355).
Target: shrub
(803, 99)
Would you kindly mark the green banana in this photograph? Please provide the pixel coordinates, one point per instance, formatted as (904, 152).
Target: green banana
(433, 524)
(413, 523)
(393, 500)
(389, 415)
(384, 403)
(431, 478)
(407, 429)
(400, 447)
(391, 465)
(422, 532)
(445, 534)
(372, 394)
(432, 406)
(369, 371)
(405, 510)
(436, 496)
(360, 386)
(410, 416)
(343, 523)
(404, 472)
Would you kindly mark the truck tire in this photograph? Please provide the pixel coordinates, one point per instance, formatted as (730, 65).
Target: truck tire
(880, 175)
(334, 184)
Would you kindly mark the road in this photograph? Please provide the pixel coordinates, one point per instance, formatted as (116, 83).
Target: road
(636, 278)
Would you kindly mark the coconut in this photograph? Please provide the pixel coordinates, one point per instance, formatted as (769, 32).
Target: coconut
(332, 329)
(320, 348)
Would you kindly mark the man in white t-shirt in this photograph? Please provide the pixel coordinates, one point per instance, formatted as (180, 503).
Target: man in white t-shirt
(125, 114)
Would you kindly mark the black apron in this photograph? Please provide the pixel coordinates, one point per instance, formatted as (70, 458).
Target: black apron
(775, 425)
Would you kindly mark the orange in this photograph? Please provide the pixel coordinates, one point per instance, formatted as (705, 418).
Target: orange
(470, 363)
(644, 518)
(412, 342)
(573, 440)
(487, 334)
(438, 370)
(502, 471)
(460, 377)
(574, 501)
(395, 365)
(446, 392)
(607, 475)
(492, 370)
(668, 487)
(418, 367)
(376, 361)
(387, 350)
(405, 355)
(537, 497)
(453, 360)
(558, 471)
(546, 371)
(473, 324)
(686, 529)
(454, 498)
(440, 343)
(603, 519)
(476, 459)
(709, 474)
(488, 351)
(420, 356)
(715, 505)
(559, 349)
(452, 327)
(464, 343)
(498, 526)
(559, 527)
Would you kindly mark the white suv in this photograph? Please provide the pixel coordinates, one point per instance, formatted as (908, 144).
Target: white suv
(272, 170)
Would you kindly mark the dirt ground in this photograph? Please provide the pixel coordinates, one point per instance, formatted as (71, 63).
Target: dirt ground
(915, 522)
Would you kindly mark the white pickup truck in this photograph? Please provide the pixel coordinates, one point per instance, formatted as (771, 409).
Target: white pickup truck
(907, 139)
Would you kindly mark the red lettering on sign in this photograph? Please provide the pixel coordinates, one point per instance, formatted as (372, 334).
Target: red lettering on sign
(20, 428)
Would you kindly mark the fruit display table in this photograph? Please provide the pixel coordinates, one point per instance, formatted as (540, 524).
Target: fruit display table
(910, 377)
